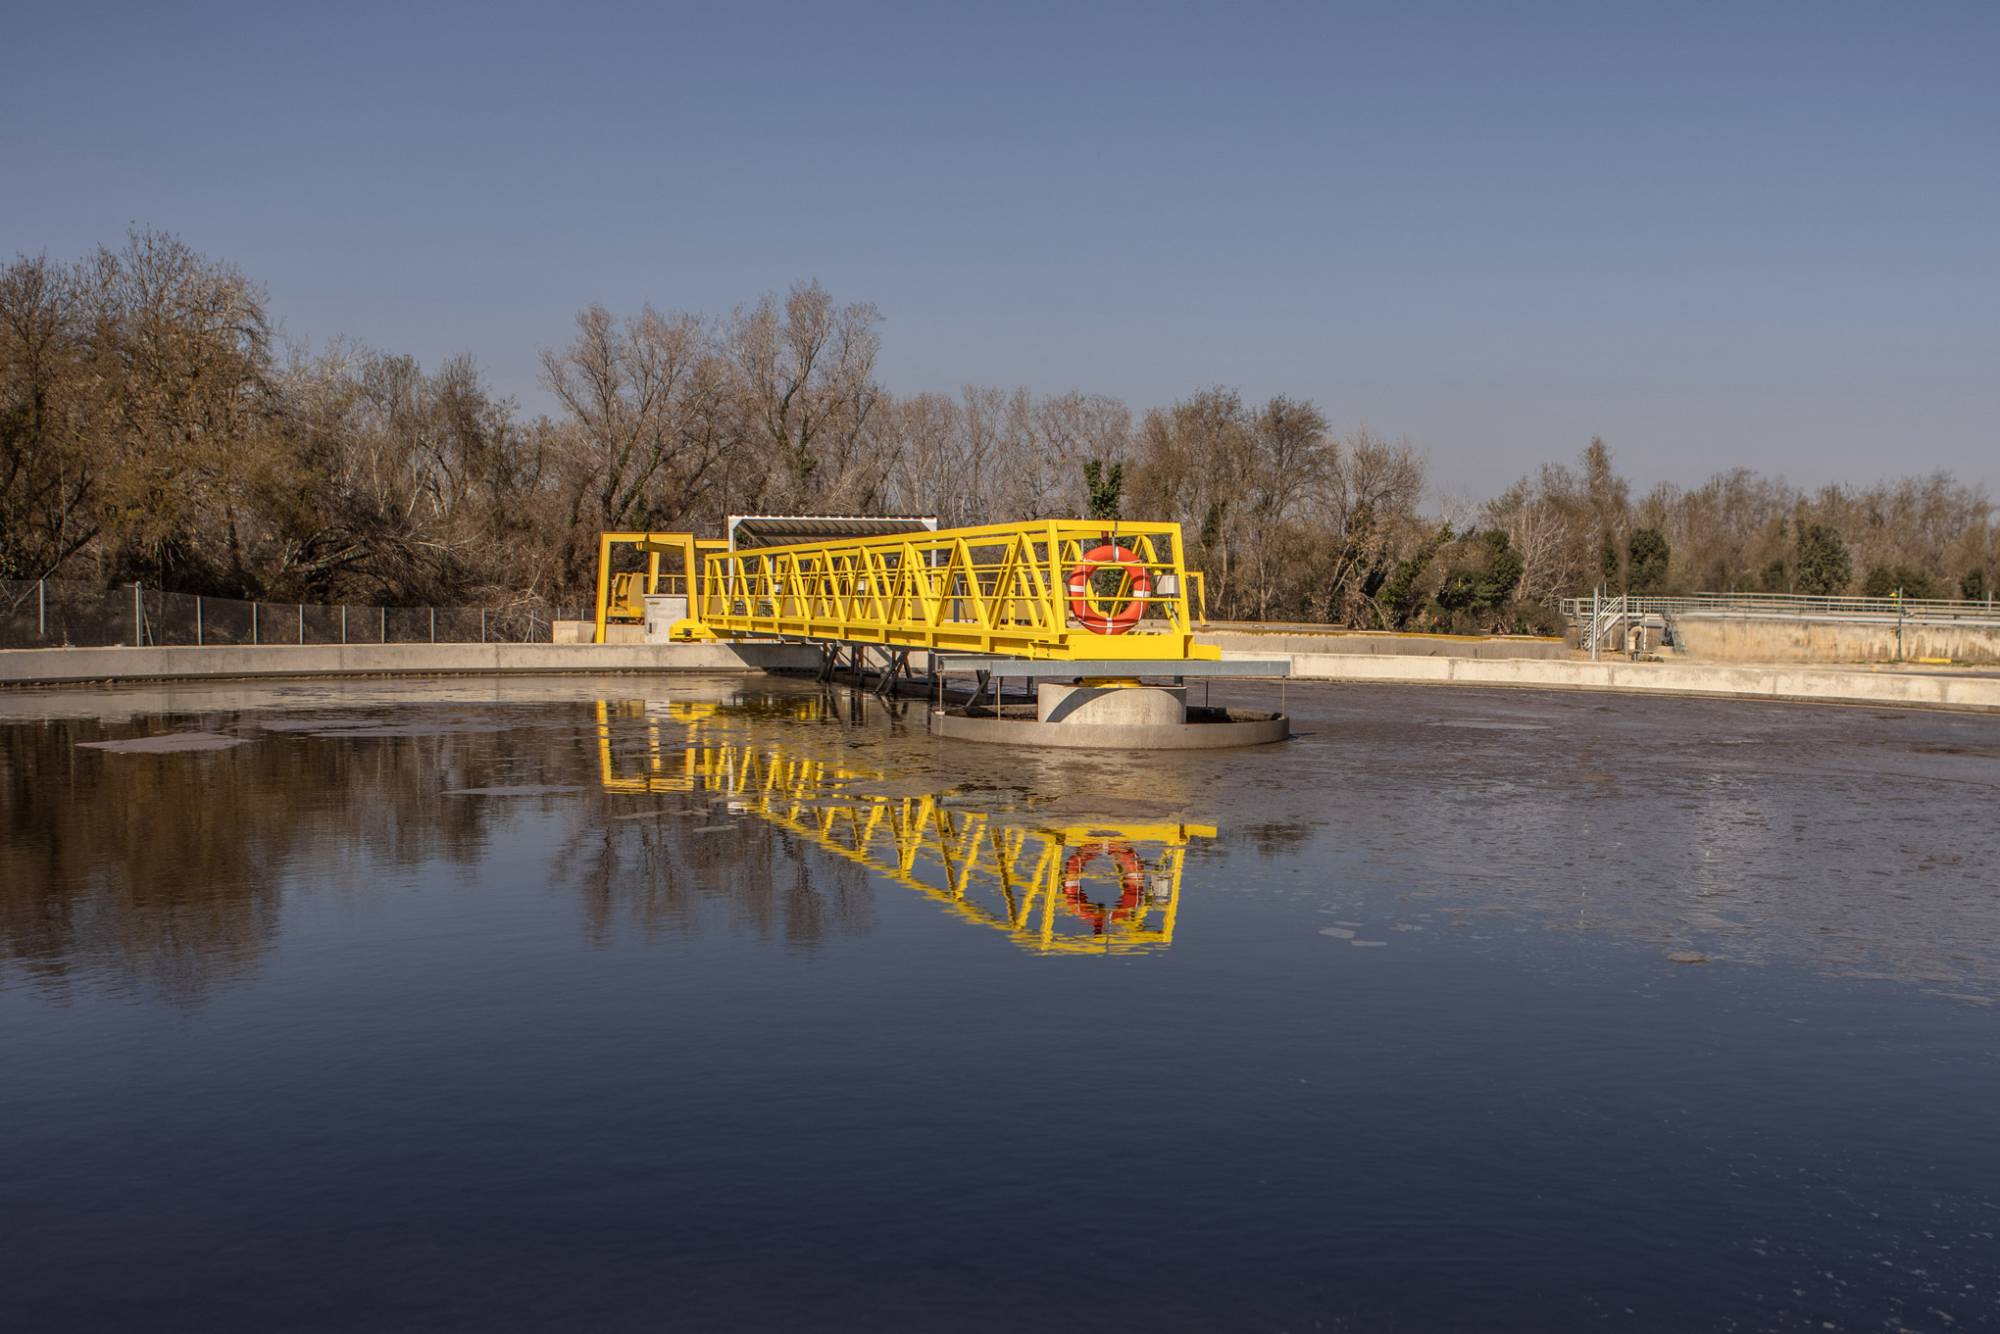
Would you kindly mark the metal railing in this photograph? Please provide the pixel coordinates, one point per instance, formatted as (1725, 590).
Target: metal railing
(1609, 622)
(54, 613)
(1794, 606)
(1057, 588)
(1605, 616)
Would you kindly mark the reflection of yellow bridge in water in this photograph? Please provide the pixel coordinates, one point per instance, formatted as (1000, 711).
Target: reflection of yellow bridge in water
(1028, 880)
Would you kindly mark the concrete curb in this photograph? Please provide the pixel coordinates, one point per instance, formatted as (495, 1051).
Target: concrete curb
(60, 666)
(1931, 690)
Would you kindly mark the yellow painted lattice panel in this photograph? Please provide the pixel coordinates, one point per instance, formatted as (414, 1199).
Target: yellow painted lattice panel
(998, 588)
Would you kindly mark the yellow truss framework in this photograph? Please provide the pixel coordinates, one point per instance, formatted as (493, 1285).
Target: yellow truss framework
(998, 588)
(1021, 880)
(621, 594)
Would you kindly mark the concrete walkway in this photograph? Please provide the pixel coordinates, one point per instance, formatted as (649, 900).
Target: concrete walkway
(1787, 681)
(53, 666)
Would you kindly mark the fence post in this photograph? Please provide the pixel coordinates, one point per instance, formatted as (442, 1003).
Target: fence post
(138, 614)
(302, 622)
(434, 625)
(41, 609)
(343, 622)
(1595, 593)
(253, 621)
(482, 625)
(197, 620)
(1899, 625)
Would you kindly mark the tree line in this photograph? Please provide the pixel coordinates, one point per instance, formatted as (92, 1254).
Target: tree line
(154, 427)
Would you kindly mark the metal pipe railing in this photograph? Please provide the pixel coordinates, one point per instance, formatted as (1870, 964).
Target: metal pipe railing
(1797, 605)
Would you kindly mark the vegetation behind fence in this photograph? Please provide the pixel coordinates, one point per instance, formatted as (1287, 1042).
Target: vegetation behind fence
(53, 613)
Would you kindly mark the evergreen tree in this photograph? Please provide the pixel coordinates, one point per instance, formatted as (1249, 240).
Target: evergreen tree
(1106, 486)
(1824, 567)
(1649, 556)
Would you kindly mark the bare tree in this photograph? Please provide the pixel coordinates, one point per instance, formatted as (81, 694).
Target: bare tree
(1290, 454)
(936, 474)
(650, 417)
(1062, 434)
(183, 346)
(805, 369)
(1365, 504)
(1547, 533)
(1195, 461)
(48, 472)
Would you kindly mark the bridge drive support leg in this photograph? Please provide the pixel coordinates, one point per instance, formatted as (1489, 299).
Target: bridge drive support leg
(895, 662)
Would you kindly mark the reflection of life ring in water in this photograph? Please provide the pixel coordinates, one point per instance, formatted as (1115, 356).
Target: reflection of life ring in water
(1109, 555)
(1131, 884)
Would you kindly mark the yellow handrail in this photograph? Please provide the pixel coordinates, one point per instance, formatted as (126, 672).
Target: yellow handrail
(997, 588)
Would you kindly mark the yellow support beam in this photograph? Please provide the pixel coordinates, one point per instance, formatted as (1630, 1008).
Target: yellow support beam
(621, 595)
(1199, 582)
(1023, 590)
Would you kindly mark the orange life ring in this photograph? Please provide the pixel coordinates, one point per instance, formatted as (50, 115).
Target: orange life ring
(1080, 604)
(1131, 884)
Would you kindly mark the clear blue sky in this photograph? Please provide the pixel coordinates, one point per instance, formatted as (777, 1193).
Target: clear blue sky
(1759, 234)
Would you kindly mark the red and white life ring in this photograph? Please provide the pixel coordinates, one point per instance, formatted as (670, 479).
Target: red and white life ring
(1131, 884)
(1085, 609)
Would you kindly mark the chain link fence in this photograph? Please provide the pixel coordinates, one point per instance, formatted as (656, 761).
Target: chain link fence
(54, 613)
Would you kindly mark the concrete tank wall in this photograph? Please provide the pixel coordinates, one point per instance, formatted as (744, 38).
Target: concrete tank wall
(585, 632)
(1786, 639)
(1939, 688)
(37, 666)
(1249, 640)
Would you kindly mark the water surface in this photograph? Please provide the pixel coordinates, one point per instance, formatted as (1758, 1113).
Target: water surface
(733, 1004)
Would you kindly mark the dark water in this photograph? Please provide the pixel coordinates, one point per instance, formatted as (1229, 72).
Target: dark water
(726, 1005)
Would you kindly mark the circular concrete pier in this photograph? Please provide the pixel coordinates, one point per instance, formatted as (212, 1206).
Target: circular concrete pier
(1123, 705)
(1202, 729)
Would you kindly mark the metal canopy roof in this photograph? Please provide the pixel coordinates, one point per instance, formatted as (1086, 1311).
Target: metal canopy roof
(776, 530)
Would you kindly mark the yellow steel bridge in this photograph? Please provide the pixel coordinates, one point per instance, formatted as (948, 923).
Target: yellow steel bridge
(1057, 589)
